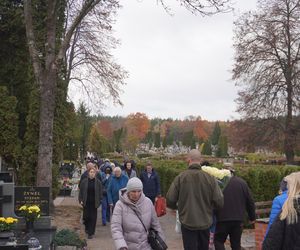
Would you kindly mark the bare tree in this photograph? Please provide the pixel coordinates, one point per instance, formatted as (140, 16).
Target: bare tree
(267, 62)
(250, 134)
(46, 65)
(202, 7)
(89, 64)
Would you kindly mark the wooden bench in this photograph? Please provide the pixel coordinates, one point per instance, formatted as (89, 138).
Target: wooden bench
(262, 210)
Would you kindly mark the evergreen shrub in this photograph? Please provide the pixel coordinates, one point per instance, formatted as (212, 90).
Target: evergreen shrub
(263, 180)
(67, 237)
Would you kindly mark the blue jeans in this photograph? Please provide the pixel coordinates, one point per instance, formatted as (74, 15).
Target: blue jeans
(105, 210)
(212, 228)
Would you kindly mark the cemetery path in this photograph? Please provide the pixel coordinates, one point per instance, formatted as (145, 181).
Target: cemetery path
(68, 214)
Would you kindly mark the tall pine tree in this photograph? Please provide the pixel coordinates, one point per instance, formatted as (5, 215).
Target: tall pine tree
(9, 142)
(215, 134)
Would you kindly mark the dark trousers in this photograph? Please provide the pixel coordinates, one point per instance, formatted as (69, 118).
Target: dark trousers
(105, 210)
(90, 219)
(152, 199)
(232, 228)
(195, 239)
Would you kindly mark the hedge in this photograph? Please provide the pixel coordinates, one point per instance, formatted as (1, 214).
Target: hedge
(263, 180)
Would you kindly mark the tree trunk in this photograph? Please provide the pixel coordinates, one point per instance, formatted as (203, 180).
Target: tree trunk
(289, 143)
(289, 133)
(47, 103)
(45, 150)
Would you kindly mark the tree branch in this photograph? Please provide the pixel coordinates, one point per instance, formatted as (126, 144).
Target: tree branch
(86, 8)
(33, 51)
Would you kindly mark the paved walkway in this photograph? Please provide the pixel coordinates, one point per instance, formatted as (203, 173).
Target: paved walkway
(102, 239)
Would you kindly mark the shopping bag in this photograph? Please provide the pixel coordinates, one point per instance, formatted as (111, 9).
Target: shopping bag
(160, 206)
(178, 224)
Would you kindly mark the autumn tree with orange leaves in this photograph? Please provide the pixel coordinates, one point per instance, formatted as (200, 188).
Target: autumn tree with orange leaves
(137, 126)
(199, 130)
(105, 129)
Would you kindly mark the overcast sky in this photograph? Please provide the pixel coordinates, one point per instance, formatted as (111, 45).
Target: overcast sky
(179, 65)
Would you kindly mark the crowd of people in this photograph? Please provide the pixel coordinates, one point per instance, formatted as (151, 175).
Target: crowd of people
(203, 207)
(106, 182)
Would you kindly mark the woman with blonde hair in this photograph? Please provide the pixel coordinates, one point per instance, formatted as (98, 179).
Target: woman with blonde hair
(284, 233)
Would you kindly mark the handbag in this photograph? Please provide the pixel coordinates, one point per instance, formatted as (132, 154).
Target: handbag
(155, 241)
(160, 206)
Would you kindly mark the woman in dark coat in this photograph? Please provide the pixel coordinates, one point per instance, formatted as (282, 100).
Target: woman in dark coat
(90, 195)
(284, 233)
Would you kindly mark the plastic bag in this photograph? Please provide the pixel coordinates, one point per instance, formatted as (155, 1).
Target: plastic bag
(160, 206)
(178, 224)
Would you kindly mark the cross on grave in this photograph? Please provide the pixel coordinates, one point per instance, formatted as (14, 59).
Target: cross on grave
(4, 199)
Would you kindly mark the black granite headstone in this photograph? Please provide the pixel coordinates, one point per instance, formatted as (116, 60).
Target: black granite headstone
(7, 199)
(15, 247)
(4, 199)
(32, 196)
(67, 169)
(6, 177)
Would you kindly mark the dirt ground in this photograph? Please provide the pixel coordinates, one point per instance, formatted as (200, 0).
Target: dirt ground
(67, 217)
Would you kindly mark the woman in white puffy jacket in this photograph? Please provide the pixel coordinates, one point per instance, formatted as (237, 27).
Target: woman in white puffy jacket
(127, 230)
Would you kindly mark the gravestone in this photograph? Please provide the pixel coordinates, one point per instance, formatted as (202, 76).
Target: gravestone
(32, 196)
(15, 247)
(11, 198)
(6, 177)
(67, 169)
(40, 196)
(6, 195)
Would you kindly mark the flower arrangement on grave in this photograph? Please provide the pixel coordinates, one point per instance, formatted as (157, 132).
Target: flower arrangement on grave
(7, 224)
(30, 213)
(222, 175)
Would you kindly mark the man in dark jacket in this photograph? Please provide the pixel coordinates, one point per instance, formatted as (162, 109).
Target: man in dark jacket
(237, 200)
(197, 195)
(150, 180)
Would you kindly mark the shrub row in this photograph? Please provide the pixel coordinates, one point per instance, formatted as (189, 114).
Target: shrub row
(263, 180)
(167, 171)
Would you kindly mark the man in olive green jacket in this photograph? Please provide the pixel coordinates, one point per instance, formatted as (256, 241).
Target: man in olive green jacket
(196, 195)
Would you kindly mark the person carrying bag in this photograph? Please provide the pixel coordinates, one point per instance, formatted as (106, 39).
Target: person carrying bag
(134, 213)
(155, 241)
